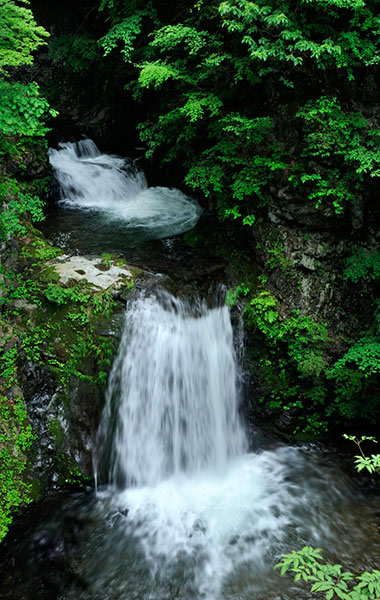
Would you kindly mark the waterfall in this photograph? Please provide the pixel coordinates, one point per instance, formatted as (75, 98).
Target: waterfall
(183, 511)
(174, 384)
(186, 498)
(92, 181)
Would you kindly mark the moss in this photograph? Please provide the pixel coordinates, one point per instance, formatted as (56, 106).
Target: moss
(55, 326)
(69, 472)
(56, 432)
(193, 238)
(16, 437)
(48, 275)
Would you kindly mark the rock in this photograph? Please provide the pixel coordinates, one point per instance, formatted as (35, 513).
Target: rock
(80, 268)
(25, 305)
(305, 267)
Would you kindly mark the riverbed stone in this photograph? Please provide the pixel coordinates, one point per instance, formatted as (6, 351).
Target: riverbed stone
(80, 268)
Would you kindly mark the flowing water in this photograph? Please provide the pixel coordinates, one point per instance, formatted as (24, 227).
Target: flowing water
(188, 512)
(102, 191)
(188, 506)
(174, 385)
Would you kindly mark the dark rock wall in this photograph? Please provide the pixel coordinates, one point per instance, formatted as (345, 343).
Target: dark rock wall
(91, 101)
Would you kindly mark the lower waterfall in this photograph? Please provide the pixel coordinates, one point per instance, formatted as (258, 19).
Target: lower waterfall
(198, 506)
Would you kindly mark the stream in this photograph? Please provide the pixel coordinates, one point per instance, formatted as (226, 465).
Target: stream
(190, 503)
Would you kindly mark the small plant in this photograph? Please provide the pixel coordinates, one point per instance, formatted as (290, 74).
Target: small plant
(107, 259)
(61, 295)
(362, 264)
(328, 579)
(233, 294)
(70, 472)
(278, 260)
(370, 463)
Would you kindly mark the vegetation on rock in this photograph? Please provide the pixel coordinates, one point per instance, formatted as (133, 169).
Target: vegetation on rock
(21, 112)
(41, 322)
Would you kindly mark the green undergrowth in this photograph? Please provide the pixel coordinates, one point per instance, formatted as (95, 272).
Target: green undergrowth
(323, 380)
(330, 581)
(20, 200)
(16, 438)
(56, 326)
(70, 473)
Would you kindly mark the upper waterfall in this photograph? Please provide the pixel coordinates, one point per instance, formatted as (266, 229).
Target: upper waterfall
(91, 180)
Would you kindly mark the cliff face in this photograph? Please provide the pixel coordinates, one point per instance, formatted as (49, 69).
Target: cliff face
(311, 321)
(304, 252)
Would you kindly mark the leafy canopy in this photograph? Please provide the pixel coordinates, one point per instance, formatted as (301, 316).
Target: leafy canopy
(20, 36)
(22, 111)
(21, 107)
(231, 84)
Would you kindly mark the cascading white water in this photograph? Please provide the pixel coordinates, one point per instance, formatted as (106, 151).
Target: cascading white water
(189, 515)
(200, 509)
(90, 180)
(176, 384)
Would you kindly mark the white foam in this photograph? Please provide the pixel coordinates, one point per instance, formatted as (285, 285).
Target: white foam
(183, 484)
(90, 180)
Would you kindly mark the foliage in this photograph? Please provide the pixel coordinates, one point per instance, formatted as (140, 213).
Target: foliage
(229, 83)
(19, 34)
(331, 580)
(70, 472)
(107, 258)
(62, 295)
(15, 439)
(22, 112)
(21, 109)
(232, 295)
(18, 202)
(127, 24)
(313, 34)
(362, 264)
(354, 375)
(370, 463)
(291, 354)
(278, 260)
(294, 366)
(348, 146)
(77, 52)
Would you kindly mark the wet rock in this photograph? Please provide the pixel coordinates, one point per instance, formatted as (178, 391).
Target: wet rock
(25, 305)
(79, 268)
(287, 421)
(46, 552)
(304, 266)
